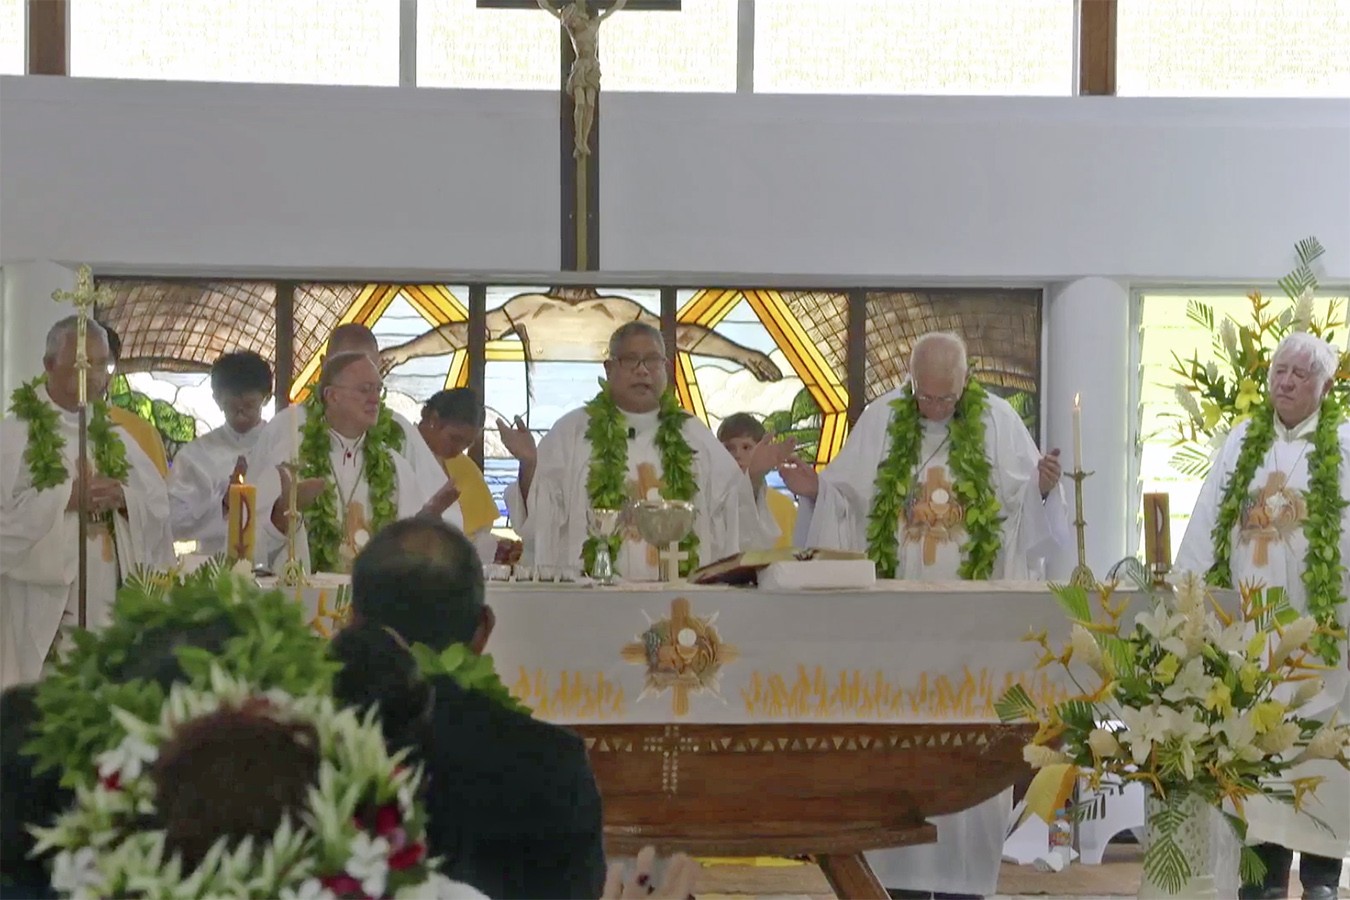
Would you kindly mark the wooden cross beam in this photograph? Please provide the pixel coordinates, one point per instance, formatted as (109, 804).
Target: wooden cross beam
(580, 161)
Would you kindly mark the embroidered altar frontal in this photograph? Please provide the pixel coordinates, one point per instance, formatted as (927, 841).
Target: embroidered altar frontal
(899, 652)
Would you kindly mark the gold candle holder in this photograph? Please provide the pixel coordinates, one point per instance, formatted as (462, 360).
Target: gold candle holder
(292, 573)
(1082, 575)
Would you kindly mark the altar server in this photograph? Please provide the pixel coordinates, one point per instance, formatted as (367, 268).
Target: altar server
(39, 522)
(633, 442)
(451, 421)
(241, 383)
(745, 438)
(971, 497)
(1281, 470)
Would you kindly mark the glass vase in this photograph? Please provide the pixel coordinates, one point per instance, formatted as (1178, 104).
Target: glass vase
(1190, 849)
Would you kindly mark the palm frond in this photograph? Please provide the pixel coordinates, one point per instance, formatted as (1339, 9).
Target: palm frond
(1191, 460)
(1308, 250)
(1200, 313)
(1015, 705)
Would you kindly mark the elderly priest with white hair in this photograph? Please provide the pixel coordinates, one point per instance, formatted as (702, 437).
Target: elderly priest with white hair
(633, 442)
(357, 473)
(940, 481)
(39, 501)
(1275, 510)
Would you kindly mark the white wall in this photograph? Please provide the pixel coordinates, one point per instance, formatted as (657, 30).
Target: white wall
(150, 176)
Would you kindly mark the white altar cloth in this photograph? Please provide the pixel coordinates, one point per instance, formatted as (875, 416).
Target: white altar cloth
(897, 652)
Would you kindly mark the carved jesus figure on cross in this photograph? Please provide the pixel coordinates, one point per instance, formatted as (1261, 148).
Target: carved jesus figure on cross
(584, 81)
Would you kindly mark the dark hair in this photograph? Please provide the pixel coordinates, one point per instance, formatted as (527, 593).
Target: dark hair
(378, 670)
(422, 578)
(234, 773)
(155, 656)
(740, 425)
(460, 405)
(241, 372)
(114, 343)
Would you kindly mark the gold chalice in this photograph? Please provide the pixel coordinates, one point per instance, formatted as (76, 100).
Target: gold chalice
(663, 524)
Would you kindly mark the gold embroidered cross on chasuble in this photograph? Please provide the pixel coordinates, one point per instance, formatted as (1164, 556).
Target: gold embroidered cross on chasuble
(1270, 514)
(932, 516)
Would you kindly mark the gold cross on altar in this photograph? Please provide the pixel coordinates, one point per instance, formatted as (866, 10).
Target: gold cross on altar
(579, 100)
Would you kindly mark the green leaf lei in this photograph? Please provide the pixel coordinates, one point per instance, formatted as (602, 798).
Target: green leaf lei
(271, 645)
(321, 519)
(971, 472)
(43, 455)
(469, 670)
(605, 483)
(1323, 568)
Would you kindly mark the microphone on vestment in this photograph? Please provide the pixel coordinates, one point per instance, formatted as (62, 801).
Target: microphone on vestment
(632, 433)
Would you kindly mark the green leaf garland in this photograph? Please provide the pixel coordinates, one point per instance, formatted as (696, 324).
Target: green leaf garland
(471, 671)
(606, 479)
(43, 453)
(321, 519)
(271, 646)
(971, 472)
(1323, 568)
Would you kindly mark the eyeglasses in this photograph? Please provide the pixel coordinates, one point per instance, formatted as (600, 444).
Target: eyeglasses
(369, 389)
(631, 363)
(943, 400)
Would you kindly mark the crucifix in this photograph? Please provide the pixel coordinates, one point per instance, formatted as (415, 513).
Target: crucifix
(85, 297)
(579, 110)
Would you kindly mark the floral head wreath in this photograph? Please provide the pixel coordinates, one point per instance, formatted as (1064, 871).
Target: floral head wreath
(360, 833)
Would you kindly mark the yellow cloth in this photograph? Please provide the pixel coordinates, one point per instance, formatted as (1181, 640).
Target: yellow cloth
(144, 434)
(1049, 791)
(475, 500)
(784, 513)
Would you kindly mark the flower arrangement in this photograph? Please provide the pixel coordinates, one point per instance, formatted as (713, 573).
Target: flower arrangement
(360, 833)
(1216, 394)
(1192, 701)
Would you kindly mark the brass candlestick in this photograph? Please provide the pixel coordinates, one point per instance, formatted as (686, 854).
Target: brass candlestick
(1082, 575)
(292, 573)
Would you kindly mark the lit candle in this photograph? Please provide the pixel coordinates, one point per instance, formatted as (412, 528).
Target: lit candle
(241, 502)
(1077, 435)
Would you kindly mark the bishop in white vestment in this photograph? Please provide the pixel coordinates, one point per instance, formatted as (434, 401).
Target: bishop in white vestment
(202, 470)
(39, 527)
(350, 408)
(553, 527)
(929, 533)
(1268, 547)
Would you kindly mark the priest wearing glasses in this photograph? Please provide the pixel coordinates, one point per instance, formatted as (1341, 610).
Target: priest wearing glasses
(633, 442)
(356, 472)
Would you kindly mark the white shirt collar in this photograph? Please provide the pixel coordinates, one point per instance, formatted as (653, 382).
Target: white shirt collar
(1302, 431)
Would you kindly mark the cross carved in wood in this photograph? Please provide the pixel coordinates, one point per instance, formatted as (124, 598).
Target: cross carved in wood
(670, 745)
(580, 169)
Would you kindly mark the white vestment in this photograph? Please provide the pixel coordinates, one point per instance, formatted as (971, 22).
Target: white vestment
(39, 565)
(415, 483)
(965, 859)
(198, 479)
(727, 519)
(1268, 546)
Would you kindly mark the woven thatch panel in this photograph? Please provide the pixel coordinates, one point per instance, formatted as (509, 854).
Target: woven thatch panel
(183, 326)
(1002, 330)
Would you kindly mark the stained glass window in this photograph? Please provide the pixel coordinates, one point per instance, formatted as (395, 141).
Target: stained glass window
(296, 41)
(915, 46)
(13, 37)
(1233, 48)
(1165, 329)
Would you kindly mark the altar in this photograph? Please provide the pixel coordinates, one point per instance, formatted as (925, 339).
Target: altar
(739, 721)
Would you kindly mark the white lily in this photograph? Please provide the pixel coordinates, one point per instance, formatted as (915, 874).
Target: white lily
(369, 863)
(1191, 682)
(1103, 743)
(1295, 636)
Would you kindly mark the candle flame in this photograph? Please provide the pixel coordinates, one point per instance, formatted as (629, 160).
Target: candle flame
(239, 478)
(1075, 401)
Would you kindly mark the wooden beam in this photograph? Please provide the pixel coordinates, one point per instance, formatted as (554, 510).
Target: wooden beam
(855, 357)
(477, 349)
(283, 305)
(47, 37)
(1097, 48)
(669, 311)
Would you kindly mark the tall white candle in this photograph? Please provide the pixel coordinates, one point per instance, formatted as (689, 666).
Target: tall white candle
(1077, 434)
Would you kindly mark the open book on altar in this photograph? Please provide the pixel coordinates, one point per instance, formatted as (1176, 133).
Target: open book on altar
(790, 567)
